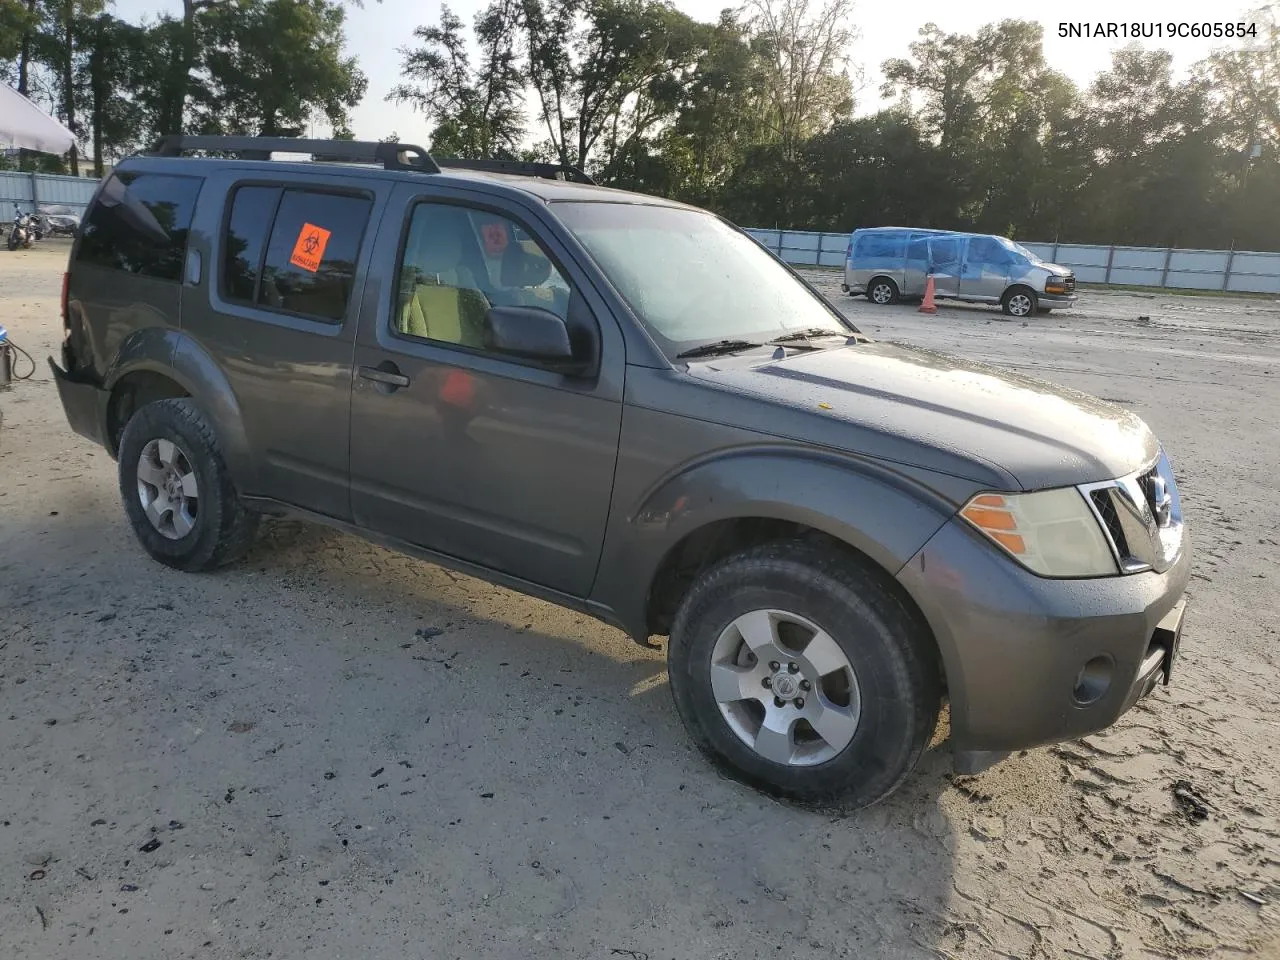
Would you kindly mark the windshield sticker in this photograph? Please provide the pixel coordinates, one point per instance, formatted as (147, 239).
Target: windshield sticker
(308, 251)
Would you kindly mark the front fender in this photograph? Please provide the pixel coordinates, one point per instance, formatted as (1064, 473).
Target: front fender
(173, 354)
(885, 511)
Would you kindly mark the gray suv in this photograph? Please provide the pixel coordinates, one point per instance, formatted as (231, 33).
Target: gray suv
(629, 407)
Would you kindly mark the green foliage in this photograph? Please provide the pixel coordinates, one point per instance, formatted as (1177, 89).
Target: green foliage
(477, 111)
(248, 45)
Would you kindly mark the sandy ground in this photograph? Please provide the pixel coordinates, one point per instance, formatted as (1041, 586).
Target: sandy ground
(325, 779)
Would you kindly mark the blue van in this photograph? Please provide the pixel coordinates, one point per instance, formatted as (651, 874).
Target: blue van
(887, 264)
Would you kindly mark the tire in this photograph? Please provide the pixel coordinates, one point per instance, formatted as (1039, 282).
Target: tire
(1020, 302)
(210, 527)
(880, 720)
(882, 291)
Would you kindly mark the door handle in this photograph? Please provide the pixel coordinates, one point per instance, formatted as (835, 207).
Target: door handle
(386, 374)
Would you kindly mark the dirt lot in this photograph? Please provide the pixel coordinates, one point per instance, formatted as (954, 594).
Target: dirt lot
(326, 778)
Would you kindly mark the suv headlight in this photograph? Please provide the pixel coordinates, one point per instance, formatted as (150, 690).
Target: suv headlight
(1052, 533)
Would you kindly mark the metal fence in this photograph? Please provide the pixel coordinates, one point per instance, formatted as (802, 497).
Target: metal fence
(32, 190)
(1234, 271)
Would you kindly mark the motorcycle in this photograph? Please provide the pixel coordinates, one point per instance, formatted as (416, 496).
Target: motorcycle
(23, 231)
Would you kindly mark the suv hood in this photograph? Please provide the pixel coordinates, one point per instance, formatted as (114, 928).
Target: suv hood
(912, 405)
(1056, 268)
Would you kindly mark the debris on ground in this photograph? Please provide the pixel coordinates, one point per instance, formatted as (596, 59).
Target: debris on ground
(1190, 801)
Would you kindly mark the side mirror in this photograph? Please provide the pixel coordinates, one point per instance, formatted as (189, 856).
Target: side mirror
(531, 334)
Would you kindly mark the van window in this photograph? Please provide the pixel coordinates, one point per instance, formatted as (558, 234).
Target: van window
(312, 240)
(139, 223)
(918, 249)
(881, 245)
(944, 251)
(987, 250)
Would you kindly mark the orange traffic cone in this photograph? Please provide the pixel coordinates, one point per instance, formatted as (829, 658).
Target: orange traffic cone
(928, 306)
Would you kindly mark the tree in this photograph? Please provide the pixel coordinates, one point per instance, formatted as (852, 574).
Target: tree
(477, 112)
(270, 64)
(115, 67)
(1245, 87)
(722, 115)
(804, 60)
(607, 74)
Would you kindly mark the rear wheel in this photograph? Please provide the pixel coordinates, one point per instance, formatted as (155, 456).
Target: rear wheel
(1020, 302)
(177, 491)
(802, 671)
(882, 291)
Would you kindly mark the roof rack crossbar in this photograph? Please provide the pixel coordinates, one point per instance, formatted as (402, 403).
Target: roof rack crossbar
(547, 171)
(392, 156)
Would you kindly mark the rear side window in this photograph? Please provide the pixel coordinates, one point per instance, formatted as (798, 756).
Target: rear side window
(881, 245)
(293, 250)
(139, 224)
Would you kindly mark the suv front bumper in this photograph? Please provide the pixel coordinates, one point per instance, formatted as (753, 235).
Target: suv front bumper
(1032, 660)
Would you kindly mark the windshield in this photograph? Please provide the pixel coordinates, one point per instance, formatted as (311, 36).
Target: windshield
(1019, 248)
(691, 278)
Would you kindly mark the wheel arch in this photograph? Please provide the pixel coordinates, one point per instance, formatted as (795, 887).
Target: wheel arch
(877, 277)
(696, 515)
(1020, 286)
(157, 363)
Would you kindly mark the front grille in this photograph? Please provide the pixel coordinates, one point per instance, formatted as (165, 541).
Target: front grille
(1142, 517)
(1147, 482)
(1111, 519)
(1070, 283)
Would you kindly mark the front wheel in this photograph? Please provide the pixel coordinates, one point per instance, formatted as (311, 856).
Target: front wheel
(1020, 302)
(882, 291)
(177, 490)
(803, 671)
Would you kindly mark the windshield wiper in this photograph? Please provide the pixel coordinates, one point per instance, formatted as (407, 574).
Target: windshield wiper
(807, 334)
(720, 346)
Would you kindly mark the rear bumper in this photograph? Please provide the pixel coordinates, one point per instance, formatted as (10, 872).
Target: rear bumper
(84, 403)
(1030, 660)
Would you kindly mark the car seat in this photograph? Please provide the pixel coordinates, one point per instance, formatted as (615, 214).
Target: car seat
(446, 303)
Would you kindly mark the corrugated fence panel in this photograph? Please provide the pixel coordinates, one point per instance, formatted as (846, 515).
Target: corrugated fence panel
(1254, 273)
(41, 189)
(1239, 272)
(14, 188)
(1199, 261)
(71, 191)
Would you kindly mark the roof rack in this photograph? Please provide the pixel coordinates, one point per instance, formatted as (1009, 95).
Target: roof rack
(392, 156)
(547, 171)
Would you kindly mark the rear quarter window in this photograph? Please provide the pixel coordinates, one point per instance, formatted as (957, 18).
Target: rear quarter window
(139, 224)
(293, 249)
(879, 246)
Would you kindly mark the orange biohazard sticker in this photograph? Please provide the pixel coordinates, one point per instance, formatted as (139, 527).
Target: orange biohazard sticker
(309, 249)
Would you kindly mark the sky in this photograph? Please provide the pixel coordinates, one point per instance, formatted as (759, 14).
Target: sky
(375, 32)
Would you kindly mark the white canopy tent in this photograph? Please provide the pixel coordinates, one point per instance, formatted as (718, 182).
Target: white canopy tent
(24, 125)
